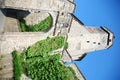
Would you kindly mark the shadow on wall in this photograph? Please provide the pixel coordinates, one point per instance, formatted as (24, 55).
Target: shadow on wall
(14, 13)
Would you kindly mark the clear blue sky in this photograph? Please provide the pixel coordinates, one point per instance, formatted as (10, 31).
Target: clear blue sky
(104, 64)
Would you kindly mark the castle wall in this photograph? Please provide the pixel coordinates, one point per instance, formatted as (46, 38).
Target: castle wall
(84, 39)
(81, 39)
(77, 71)
(47, 5)
(11, 41)
(11, 25)
(35, 18)
(18, 41)
(71, 0)
(2, 19)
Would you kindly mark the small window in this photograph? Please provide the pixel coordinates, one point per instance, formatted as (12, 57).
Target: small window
(88, 41)
(110, 40)
(62, 13)
(98, 43)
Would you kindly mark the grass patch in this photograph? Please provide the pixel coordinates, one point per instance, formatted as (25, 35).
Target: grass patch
(43, 47)
(42, 26)
(17, 65)
(1, 68)
(1, 56)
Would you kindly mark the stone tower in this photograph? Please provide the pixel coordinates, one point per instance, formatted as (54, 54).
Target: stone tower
(81, 39)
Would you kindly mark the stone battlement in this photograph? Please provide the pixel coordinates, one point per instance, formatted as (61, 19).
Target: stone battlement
(39, 5)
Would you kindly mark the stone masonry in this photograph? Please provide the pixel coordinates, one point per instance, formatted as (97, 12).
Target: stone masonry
(81, 39)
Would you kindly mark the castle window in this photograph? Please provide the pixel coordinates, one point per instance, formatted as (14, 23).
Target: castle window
(110, 40)
(88, 41)
(62, 13)
(98, 43)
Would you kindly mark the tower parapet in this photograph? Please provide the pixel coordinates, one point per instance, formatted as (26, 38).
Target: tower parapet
(40, 5)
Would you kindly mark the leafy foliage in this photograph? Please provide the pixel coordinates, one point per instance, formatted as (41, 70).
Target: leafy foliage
(48, 68)
(42, 26)
(23, 25)
(43, 47)
(1, 56)
(17, 65)
(38, 64)
(1, 68)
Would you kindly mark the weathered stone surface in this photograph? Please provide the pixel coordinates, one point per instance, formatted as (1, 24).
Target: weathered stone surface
(18, 41)
(21, 3)
(6, 65)
(35, 18)
(46, 5)
(11, 25)
(71, 0)
(63, 23)
(1, 2)
(24, 77)
(2, 21)
(77, 71)
(66, 57)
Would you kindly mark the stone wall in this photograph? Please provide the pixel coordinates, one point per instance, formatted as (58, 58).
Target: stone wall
(71, 0)
(35, 18)
(11, 25)
(18, 41)
(1, 2)
(11, 41)
(7, 66)
(2, 19)
(46, 5)
(77, 71)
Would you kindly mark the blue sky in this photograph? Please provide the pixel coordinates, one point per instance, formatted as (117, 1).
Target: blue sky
(104, 64)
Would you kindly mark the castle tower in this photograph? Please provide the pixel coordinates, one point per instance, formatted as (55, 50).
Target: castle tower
(83, 39)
